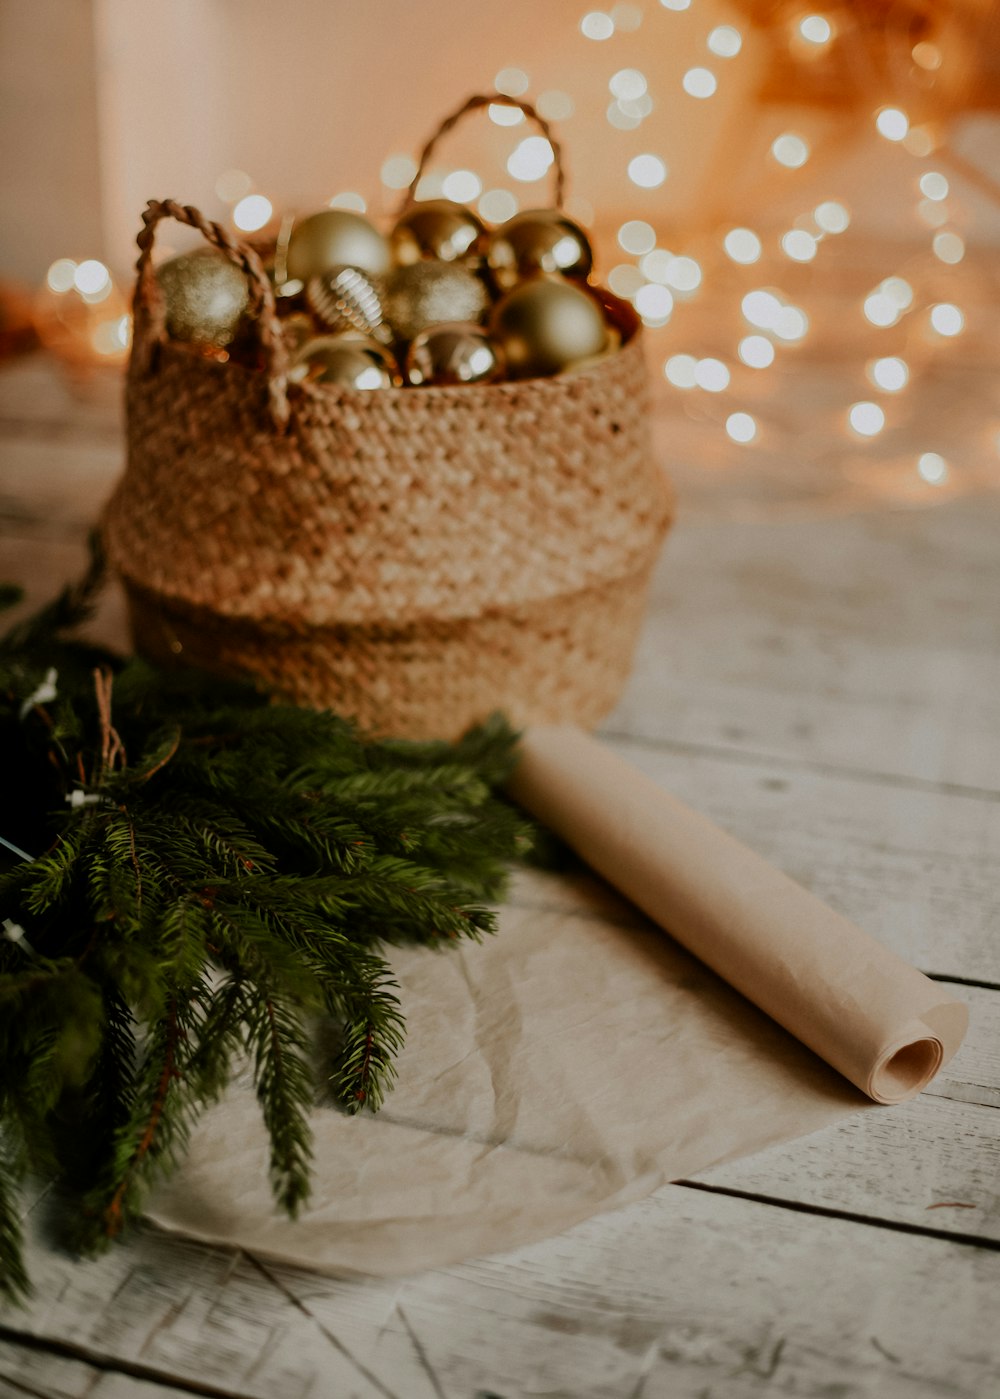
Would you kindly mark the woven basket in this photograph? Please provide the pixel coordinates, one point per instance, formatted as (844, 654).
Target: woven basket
(413, 558)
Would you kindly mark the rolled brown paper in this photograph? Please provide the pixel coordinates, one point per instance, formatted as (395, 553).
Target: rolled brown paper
(877, 1020)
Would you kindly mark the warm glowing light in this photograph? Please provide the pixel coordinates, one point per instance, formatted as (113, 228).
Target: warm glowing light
(347, 199)
(932, 467)
(61, 274)
(655, 265)
(949, 247)
(112, 337)
(791, 324)
(627, 18)
(890, 373)
(816, 29)
(647, 171)
(398, 171)
(620, 118)
(799, 245)
(252, 212)
(867, 419)
(761, 308)
(637, 106)
(676, 4)
(628, 84)
(742, 245)
(756, 351)
(741, 427)
(232, 185)
(790, 150)
(637, 237)
(462, 185)
(680, 370)
(946, 318)
(625, 280)
(831, 217)
(597, 25)
(880, 309)
(892, 123)
(934, 215)
(899, 292)
(512, 82)
(934, 185)
(430, 186)
(498, 205)
(725, 41)
(503, 115)
(530, 159)
(683, 274)
(92, 279)
(920, 140)
(926, 55)
(699, 82)
(555, 105)
(712, 375)
(654, 304)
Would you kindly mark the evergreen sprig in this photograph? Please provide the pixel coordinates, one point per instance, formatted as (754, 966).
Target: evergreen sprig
(190, 878)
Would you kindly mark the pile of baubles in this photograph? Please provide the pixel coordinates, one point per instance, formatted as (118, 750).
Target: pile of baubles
(443, 299)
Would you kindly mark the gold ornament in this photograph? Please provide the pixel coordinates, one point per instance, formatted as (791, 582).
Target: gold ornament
(430, 293)
(458, 353)
(334, 238)
(297, 330)
(438, 229)
(205, 296)
(547, 325)
(538, 241)
(349, 360)
(347, 299)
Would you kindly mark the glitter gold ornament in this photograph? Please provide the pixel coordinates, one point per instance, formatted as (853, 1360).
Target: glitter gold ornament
(438, 229)
(538, 241)
(335, 238)
(205, 296)
(347, 299)
(430, 293)
(456, 353)
(349, 360)
(547, 325)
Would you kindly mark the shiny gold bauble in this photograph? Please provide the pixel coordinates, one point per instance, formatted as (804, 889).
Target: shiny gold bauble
(539, 240)
(430, 293)
(441, 229)
(205, 296)
(349, 360)
(347, 299)
(335, 238)
(458, 353)
(547, 325)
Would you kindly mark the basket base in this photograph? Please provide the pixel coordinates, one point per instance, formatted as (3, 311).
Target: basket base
(562, 661)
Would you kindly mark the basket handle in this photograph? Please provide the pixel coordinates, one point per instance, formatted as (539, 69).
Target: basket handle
(149, 309)
(473, 104)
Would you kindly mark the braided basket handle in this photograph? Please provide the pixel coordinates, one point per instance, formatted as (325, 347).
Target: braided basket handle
(473, 104)
(149, 309)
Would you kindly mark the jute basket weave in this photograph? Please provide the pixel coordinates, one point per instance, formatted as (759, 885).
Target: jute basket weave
(413, 558)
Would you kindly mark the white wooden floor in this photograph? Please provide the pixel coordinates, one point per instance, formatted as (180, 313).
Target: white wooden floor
(821, 674)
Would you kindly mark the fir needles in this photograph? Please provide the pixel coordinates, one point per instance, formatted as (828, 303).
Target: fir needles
(209, 875)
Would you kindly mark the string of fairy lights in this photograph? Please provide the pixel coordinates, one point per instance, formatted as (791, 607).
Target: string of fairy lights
(730, 259)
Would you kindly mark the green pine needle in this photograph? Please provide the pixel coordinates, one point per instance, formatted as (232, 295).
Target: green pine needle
(209, 877)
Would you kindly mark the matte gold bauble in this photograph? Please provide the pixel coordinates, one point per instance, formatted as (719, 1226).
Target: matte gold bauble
(538, 241)
(547, 325)
(441, 229)
(335, 238)
(459, 353)
(205, 296)
(351, 361)
(430, 293)
(347, 299)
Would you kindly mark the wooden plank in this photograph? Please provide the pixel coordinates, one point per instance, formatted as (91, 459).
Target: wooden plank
(867, 642)
(29, 1373)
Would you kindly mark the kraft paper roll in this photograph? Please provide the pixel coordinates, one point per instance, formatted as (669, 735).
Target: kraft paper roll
(878, 1021)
